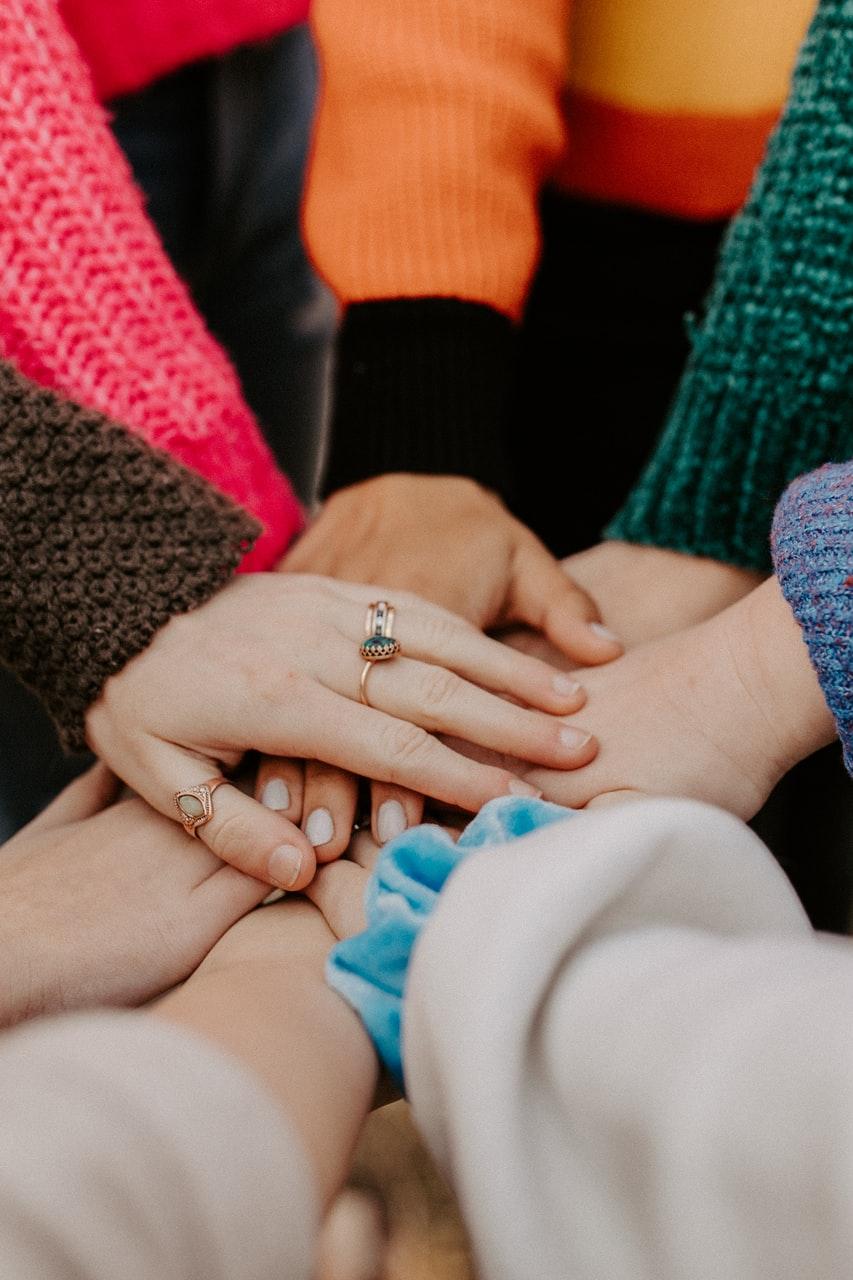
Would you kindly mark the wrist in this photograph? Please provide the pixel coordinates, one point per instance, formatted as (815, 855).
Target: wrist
(24, 990)
(785, 681)
(765, 672)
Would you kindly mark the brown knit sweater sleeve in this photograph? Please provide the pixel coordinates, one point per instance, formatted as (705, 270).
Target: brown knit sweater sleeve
(102, 540)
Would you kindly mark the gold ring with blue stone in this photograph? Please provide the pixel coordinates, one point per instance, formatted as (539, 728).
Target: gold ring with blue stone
(379, 644)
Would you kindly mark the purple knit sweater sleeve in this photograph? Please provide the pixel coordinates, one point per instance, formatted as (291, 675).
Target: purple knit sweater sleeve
(813, 557)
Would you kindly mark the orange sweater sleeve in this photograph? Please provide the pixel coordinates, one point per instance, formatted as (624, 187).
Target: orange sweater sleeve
(438, 123)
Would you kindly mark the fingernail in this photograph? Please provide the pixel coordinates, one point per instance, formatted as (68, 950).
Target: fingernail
(390, 821)
(519, 788)
(604, 632)
(284, 866)
(574, 739)
(565, 686)
(276, 794)
(319, 828)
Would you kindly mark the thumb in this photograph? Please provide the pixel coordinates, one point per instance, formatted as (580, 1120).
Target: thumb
(260, 842)
(83, 798)
(546, 598)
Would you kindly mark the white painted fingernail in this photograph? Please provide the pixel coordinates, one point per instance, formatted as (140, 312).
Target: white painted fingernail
(319, 828)
(275, 895)
(574, 739)
(276, 794)
(604, 632)
(390, 821)
(565, 686)
(519, 788)
(284, 866)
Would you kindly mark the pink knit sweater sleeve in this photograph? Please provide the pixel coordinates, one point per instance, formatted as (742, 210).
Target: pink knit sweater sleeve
(89, 303)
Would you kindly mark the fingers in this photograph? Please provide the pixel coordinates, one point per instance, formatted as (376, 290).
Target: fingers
(545, 597)
(433, 635)
(609, 798)
(442, 702)
(338, 891)
(84, 797)
(256, 840)
(352, 1239)
(328, 809)
(279, 786)
(381, 747)
(393, 810)
(363, 850)
(225, 897)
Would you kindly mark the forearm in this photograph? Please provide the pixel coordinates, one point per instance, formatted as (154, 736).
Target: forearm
(765, 396)
(273, 1011)
(436, 127)
(102, 540)
(98, 312)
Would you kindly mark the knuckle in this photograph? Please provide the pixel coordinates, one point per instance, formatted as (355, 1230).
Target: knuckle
(407, 743)
(440, 629)
(230, 840)
(440, 689)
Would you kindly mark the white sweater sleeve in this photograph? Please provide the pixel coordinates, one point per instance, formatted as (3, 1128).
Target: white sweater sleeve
(131, 1150)
(634, 1058)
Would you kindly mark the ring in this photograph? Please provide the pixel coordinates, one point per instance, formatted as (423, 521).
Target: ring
(379, 644)
(195, 804)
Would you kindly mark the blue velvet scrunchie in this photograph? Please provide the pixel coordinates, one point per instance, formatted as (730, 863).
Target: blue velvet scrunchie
(370, 970)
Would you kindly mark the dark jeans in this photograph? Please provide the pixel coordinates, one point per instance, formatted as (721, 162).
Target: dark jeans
(219, 149)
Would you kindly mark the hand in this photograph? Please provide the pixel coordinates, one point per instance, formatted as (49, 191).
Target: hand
(107, 905)
(644, 593)
(647, 592)
(272, 663)
(718, 712)
(452, 542)
(338, 889)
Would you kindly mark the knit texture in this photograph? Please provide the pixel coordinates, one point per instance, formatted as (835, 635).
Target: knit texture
(813, 557)
(422, 385)
(102, 540)
(440, 121)
(89, 303)
(128, 43)
(768, 391)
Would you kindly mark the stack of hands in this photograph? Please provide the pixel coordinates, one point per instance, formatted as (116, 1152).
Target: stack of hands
(692, 699)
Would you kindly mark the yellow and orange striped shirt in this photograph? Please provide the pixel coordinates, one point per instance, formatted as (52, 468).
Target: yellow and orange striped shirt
(441, 120)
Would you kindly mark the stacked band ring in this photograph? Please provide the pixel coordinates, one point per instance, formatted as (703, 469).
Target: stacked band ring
(379, 644)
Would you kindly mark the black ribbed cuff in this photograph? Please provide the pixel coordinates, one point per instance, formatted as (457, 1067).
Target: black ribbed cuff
(422, 385)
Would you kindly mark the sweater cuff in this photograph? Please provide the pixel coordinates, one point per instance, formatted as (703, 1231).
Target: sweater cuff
(813, 557)
(422, 385)
(702, 493)
(102, 540)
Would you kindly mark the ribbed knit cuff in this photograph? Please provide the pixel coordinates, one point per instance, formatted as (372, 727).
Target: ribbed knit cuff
(813, 558)
(767, 392)
(102, 540)
(422, 385)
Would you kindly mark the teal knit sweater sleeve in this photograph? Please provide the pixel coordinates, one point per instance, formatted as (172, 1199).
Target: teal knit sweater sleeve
(768, 391)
